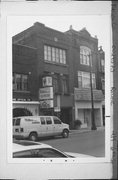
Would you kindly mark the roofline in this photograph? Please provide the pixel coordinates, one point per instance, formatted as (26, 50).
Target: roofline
(24, 46)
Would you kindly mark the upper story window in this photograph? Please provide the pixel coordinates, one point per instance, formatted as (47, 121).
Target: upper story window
(53, 54)
(60, 84)
(84, 80)
(102, 65)
(85, 55)
(20, 82)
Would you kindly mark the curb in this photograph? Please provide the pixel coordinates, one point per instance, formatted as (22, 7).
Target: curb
(85, 130)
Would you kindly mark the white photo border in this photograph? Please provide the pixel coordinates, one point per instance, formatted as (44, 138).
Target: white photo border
(101, 163)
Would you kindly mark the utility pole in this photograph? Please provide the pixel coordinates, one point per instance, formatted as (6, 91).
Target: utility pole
(93, 126)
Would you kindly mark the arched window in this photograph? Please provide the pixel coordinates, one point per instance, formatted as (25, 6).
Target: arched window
(85, 55)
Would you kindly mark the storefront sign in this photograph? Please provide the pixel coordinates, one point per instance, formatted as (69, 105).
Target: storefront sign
(46, 104)
(46, 93)
(47, 81)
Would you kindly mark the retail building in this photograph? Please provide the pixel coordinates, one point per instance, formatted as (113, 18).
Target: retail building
(57, 66)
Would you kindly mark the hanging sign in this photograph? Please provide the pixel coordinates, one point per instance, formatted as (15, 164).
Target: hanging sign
(46, 104)
(46, 93)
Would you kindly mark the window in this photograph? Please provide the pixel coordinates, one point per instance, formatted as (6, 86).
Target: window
(47, 53)
(57, 121)
(54, 54)
(102, 65)
(17, 122)
(84, 80)
(48, 120)
(20, 82)
(57, 55)
(85, 55)
(24, 82)
(42, 120)
(13, 121)
(65, 85)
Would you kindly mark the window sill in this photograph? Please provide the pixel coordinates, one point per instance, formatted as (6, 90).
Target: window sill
(54, 63)
(21, 91)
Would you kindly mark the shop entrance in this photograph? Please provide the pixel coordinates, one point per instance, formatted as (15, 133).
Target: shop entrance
(17, 112)
(66, 115)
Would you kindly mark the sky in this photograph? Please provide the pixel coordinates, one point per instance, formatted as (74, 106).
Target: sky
(97, 25)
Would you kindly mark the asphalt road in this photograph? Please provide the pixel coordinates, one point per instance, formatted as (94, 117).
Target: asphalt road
(90, 143)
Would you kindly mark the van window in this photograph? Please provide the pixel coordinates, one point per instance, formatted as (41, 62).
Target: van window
(14, 122)
(57, 121)
(42, 120)
(48, 120)
(17, 122)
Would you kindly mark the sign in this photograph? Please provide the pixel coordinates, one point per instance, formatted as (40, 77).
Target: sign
(47, 81)
(46, 93)
(46, 104)
(19, 99)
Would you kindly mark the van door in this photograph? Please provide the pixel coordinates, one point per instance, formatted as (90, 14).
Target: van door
(16, 125)
(57, 125)
(43, 128)
(50, 126)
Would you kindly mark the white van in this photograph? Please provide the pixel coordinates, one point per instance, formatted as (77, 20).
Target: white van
(33, 127)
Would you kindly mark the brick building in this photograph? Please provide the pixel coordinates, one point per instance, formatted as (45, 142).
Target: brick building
(85, 60)
(25, 85)
(57, 66)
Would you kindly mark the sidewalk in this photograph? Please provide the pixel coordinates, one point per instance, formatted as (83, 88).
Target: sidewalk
(84, 130)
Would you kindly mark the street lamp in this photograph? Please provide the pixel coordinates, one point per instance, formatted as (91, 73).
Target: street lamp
(93, 127)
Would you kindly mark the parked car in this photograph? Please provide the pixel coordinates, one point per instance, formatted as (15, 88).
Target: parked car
(33, 127)
(31, 149)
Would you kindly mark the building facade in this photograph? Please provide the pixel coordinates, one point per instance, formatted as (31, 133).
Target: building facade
(86, 72)
(25, 97)
(101, 74)
(58, 67)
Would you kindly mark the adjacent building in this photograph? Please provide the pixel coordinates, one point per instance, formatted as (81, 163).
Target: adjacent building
(51, 74)
(85, 66)
(25, 81)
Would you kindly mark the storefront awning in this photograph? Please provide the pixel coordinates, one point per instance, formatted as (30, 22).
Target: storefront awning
(85, 95)
(25, 102)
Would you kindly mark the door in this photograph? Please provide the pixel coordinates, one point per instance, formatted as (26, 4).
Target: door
(43, 128)
(57, 125)
(49, 126)
(16, 126)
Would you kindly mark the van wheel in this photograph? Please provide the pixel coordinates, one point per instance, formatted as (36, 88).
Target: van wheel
(33, 136)
(65, 133)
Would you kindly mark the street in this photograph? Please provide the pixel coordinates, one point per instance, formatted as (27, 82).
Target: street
(90, 143)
